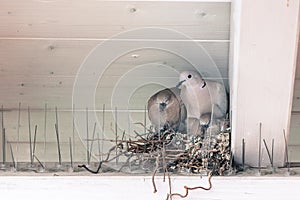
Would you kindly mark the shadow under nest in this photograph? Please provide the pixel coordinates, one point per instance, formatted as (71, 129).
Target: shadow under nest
(170, 151)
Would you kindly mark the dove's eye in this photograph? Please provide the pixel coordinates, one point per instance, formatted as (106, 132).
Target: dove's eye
(189, 76)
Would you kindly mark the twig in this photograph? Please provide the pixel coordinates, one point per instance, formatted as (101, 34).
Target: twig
(154, 172)
(102, 161)
(170, 185)
(143, 125)
(139, 135)
(194, 188)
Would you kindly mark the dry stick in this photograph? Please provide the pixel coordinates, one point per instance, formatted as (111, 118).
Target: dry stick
(12, 156)
(259, 148)
(286, 151)
(139, 135)
(93, 138)
(18, 134)
(30, 142)
(194, 188)
(209, 141)
(71, 152)
(143, 125)
(127, 162)
(269, 155)
(58, 144)
(87, 137)
(101, 162)
(154, 172)
(164, 161)
(170, 185)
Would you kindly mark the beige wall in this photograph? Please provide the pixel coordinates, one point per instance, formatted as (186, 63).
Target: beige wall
(263, 75)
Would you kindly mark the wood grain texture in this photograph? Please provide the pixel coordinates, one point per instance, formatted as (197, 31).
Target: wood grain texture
(37, 71)
(102, 19)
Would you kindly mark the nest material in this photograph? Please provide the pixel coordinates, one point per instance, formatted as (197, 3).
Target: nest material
(205, 154)
(176, 153)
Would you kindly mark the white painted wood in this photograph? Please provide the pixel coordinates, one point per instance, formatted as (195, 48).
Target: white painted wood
(102, 19)
(43, 44)
(37, 71)
(266, 70)
(137, 187)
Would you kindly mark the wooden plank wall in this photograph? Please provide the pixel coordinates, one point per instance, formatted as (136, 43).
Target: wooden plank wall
(43, 44)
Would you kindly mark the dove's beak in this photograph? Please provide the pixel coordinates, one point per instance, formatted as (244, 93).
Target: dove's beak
(180, 83)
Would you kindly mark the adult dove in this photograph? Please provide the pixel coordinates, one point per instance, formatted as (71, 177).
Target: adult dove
(166, 110)
(201, 98)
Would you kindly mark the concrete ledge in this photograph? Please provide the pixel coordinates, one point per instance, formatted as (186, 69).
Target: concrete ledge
(140, 187)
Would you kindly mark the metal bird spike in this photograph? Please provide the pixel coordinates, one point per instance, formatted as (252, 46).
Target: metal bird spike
(116, 132)
(243, 154)
(45, 135)
(18, 134)
(87, 137)
(34, 140)
(102, 136)
(3, 147)
(58, 144)
(73, 129)
(3, 138)
(93, 138)
(2, 119)
(268, 152)
(286, 151)
(259, 149)
(71, 152)
(12, 156)
(29, 135)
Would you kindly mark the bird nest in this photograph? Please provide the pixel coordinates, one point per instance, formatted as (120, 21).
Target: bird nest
(171, 151)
